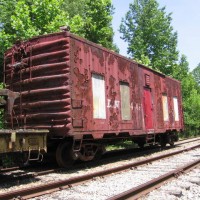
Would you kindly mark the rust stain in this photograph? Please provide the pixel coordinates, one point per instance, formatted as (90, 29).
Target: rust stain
(82, 83)
(158, 103)
(114, 110)
(86, 48)
(111, 59)
(99, 54)
(122, 64)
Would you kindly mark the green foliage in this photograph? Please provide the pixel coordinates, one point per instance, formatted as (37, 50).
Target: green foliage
(98, 22)
(123, 144)
(149, 33)
(190, 93)
(144, 60)
(181, 70)
(191, 103)
(35, 17)
(196, 74)
(75, 7)
(95, 19)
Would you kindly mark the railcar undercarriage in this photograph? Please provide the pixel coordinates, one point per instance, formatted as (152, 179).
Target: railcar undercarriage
(69, 150)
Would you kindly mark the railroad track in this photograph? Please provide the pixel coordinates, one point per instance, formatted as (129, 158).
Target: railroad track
(185, 141)
(112, 156)
(20, 174)
(113, 153)
(145, 188)
(68, 183)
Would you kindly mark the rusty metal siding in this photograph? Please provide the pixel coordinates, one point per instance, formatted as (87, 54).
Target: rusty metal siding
(39, 70)
(89, 59)
(53, 74)
(137, 97)
(148, 109)
(158, 101)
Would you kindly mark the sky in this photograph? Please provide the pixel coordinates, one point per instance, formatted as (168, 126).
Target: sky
(185, 20)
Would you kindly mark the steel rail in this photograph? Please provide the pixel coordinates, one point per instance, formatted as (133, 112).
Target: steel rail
(143, 189)
(4, 170)
(185, 141)
(62, 184)
(136, 150)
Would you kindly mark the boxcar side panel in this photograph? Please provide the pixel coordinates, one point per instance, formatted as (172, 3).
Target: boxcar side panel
(120, 79)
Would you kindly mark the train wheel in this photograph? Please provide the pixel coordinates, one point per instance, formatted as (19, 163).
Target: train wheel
(87, 152)
(163, 144)
(171, 140)
(163, 141)
(101, 150)
(65, 156)
(141, 144)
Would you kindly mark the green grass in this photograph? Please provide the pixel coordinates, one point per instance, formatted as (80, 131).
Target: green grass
(125, 144)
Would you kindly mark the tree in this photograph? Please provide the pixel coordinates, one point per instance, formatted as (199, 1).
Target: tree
(181, 69)
(6, 8)
(96, 20)
(75, 7)
(191, 102)
(196, 74)
(149, 34)
(190, 93)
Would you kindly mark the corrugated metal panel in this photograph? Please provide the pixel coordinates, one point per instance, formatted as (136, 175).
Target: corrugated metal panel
(98, 91)
(165, 108)
(39, 70)
(125, 101)
(176, 113)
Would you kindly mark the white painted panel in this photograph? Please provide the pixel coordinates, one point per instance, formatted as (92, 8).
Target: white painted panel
(176, 113)
(98, 91)
(165, 108)
(125, 101)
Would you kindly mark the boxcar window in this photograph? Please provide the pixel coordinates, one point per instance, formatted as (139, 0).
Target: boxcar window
(176, 113)
(98, 91)
(125, 101)
(165, 108)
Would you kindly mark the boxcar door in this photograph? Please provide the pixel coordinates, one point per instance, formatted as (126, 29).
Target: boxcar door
(148, 109)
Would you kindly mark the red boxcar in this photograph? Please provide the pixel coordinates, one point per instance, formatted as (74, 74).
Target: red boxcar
(86, 95)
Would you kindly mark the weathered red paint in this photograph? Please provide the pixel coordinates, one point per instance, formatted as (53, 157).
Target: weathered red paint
(53, 74)
(148, 110)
